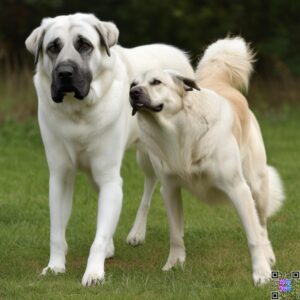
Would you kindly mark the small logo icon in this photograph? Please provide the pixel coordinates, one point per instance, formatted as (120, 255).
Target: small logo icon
(285, 285)
(296, 275)
(274, 295)
(275, 275)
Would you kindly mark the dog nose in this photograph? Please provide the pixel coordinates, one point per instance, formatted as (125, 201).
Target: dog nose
(135, 92)
(65, 71)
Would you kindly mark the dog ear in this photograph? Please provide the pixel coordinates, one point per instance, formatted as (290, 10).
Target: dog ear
(188, 83)
(108, 33)
(34, 43)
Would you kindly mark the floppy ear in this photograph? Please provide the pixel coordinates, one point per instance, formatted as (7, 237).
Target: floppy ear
(188, 83)
(34, 43)
(108, 33)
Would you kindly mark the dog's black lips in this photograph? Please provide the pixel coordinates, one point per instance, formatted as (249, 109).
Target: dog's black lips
(138, 106)
(58, 95)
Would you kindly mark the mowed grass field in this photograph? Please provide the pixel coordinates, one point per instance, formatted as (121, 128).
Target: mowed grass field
(218, 262)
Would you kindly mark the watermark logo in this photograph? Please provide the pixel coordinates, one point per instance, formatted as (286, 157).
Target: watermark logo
(285, 286)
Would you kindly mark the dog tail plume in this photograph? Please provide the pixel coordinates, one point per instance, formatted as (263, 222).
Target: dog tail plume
(228, 61)
(276, 192)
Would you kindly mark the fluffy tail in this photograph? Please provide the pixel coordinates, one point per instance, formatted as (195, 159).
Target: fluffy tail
(227, 61)
(276, 193)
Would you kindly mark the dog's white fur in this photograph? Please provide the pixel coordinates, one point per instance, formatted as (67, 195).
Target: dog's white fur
(92, 134)
(210, 143)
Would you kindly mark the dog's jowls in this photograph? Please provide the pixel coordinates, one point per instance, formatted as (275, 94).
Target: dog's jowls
(204, 138)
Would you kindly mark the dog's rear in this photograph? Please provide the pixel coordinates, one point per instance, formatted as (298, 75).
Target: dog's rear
(226, 67)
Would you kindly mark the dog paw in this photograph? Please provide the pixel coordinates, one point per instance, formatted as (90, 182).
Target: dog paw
(53, 270)
(261, 276)
(175, 259)
(135, 238)
(171, 265)
(92, 278)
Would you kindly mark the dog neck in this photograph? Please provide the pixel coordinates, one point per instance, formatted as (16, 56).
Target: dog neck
(178, 144)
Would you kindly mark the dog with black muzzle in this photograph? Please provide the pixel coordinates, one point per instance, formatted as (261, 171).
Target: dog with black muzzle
(82, 81)
(201, 135)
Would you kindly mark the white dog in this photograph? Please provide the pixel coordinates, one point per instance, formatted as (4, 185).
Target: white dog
(208, 141)
(78, 54)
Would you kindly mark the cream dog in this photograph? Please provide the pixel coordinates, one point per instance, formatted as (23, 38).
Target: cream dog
(202, 136)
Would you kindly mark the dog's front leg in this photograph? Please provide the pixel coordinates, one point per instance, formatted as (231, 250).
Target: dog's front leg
(61, 185)
(171, 194)
(109, 209)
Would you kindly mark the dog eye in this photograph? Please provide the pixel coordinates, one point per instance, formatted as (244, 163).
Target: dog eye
(53, 49)
(84, 46)
(155, 82)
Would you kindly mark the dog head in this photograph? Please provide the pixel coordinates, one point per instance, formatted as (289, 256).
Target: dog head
(71, 51)
(160, 91)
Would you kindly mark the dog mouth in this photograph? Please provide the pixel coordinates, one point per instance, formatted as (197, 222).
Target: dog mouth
(67, 78)
(58, 94)
(140, 100)
(137, 106)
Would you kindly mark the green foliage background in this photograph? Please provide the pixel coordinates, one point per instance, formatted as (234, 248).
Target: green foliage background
(272, 26)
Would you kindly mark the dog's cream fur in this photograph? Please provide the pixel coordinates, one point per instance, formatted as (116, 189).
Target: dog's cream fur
(210, 143)
(92, 134)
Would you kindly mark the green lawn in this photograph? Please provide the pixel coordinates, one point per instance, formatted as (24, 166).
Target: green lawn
(218, 263)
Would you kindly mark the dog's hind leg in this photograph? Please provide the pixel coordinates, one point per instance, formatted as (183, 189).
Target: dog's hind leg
(261, 198)
(257, 177)
(233, 183)
(137, 233)
(241, 197)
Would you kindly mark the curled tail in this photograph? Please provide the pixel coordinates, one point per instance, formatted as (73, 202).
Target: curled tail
(227, 61)
(276, 193)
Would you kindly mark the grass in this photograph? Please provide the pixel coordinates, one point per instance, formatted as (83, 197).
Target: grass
(218, 263)
(17, 94)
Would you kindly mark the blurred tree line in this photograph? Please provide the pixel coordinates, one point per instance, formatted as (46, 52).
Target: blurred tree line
(272, 26)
